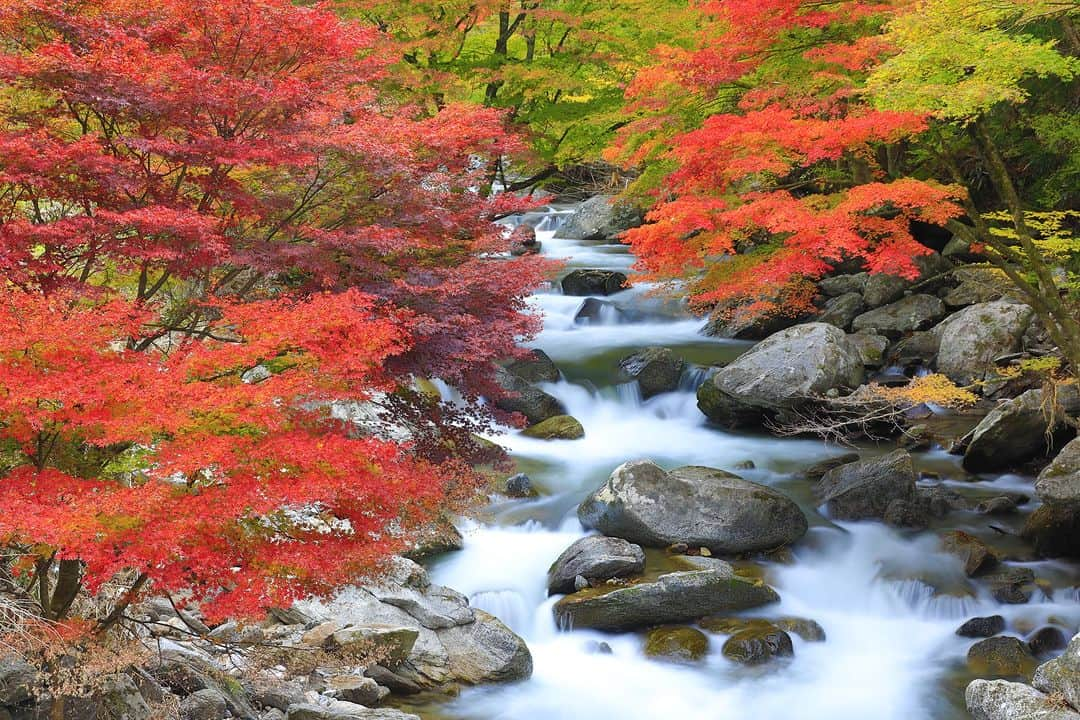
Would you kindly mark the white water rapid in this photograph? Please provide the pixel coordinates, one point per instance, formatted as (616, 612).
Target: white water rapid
(888, 601)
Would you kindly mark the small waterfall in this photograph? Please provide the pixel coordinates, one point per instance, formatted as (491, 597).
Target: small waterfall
(693, 377)
(507, 605)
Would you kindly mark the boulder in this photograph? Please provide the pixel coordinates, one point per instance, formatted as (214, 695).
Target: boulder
(914, 312)
(982, 627)
(741, 320)
(881, 289)
(1017, 430)
(602, 217)
(1001, 656)
(1004, 700)
(581, 283)
(676, 644)
(355, 689)
(18, 679)
(676, 597)
(970, 340)
(520, 486)
(595, 558)
(864, 489)
(486, 651)
(560, 427)
(656, 370)
(871, 348)
(973, 552)
(815, 472)
(121, 700)
(783, 372)
(1046, 640)
(1061, 676)
(758, 644)
(594, 311)
(1010, 584)
(841, 310)
(534, 367)
(186, 673)
(976, 285)
(205, 704)
(525, 398)
(1059, 482)
(842, 284)
(702, 507)
(919, 349)
(1053, 530)
(392, 643)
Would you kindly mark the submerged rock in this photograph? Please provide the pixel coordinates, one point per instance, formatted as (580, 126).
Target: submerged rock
(672, 598)
(702, 507)
(785, 371)
(596, 558)
(676, 644)
(656, 370)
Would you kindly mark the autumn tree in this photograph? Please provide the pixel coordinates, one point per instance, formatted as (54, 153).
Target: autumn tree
(227, 258)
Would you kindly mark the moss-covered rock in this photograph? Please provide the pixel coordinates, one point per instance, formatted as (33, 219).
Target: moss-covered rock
(758, 643)
(560, 427)
(677, 644)
(1001, 657)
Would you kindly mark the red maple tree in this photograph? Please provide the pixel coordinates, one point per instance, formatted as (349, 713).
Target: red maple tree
(193, 189)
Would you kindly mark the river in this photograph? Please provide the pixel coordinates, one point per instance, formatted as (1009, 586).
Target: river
(889, 601)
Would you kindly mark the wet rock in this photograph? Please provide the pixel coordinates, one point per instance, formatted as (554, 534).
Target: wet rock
(841, 310)
(1011, 585)
(598, 647)
(703, 507)
(1004, 700)
(808, 630)
(535, 367)
(672, 598)
(881, 289)
(971, 339)
(757, 645)
(1016, 430)
(871, 348)
(1061, 676)
(560, 427)
(595, 558)
(973, 552)
(602, 217)
(1001, 505)
(815, 472)
(1059, 483)
(355, 689)
(982, 627)
(1001, 656)
(783, 372)
(676, 644)
(1046, 640)
(203, 705)
(520, 486)
(842, 284)
(656, 370)
(914, 312)
(1054, 531)
(580, 283)
(339, 710)
(17, 680)
(523, 241)
(525, 398)
(864, 489)
(599, 312)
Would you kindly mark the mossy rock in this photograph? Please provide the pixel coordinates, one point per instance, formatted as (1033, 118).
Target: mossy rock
(677, 644)
(758, 644)
(560, 427)
(1001, 657)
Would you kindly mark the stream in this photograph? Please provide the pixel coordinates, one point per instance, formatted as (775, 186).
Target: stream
(889, 600)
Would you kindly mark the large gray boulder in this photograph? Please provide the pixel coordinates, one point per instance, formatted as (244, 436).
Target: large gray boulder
(1059, 482)
(523, 397)
(595, 558)
(1005, 700)
(970, 340)
(486, 651)
(1018, 429)
(914, 312)
(864, 489)
(601, 218)
(643, 503)
(1061, 676)
(656, 370)
(785, 371)
(672, 598)
(738, 319)
(841, 310)
(882, 289)
(1054, 527)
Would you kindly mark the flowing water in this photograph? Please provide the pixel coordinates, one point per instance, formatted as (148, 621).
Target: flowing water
(889, 601)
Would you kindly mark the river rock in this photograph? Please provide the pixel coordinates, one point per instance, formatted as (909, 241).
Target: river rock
(785, 371)
(1054, 527)
(1061, 676)
(1004, 700)
(1001, 656)
(976, 285)
(871, 348)
(656, 370)
(1046, 640)
(121, 700)
(742, 320)
(982, 627)
(534, 367)
(841, 310)
(702, 507)
(971, 339)
(815, 472)
(973, 552)
(1059, 482)
(672, 598)
(601, 218)
(1016, 430)
(914, 312)
(486, 651)
(595, 558)
(203, 705)
(919, 349)
(355, 689)
(560, 427)
(525, 398)
(1010, 584)
(677, 644)
(594, 311)
(757, 645)
(520, 486)
(842, 284)
(580, 283)
(340, 710)
(864, 489)
(882, 288)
